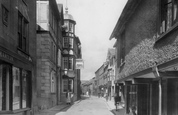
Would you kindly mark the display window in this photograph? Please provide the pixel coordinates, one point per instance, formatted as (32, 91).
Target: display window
(15, 88)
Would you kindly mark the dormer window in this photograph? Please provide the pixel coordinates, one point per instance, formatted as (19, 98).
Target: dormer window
(168, 14)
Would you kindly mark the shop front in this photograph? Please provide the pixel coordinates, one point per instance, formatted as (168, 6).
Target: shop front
(15, 84)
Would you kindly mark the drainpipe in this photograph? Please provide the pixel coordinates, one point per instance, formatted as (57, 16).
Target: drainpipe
(160, 98)
(157, 75)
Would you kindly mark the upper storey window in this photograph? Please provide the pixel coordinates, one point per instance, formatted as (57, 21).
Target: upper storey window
(22, 32)
(69, 26)
(5, 13)
(168, 14)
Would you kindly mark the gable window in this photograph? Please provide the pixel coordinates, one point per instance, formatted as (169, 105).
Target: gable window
(22, 32)
(5, 13)
(168, 14)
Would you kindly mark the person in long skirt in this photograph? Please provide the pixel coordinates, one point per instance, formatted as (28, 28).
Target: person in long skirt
(68, 97)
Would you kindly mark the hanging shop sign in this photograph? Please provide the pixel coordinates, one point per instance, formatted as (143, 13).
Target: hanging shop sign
(79, 64)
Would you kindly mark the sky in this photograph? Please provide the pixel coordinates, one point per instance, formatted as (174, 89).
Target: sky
(95, 21)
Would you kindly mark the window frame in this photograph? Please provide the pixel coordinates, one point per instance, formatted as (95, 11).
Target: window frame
(65, 42)
(28, 88)
(167, 21)
(23, 33)
(5, 10)
(71, 63)
(53, 82)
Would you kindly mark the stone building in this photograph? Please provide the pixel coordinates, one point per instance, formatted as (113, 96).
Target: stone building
(17, 57)
(71, 50)
(111, 72)
(99, 75)
(49, 40)
(147, 54)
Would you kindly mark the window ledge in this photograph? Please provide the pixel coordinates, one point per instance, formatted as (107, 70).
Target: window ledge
(14, 111)
(173, 28)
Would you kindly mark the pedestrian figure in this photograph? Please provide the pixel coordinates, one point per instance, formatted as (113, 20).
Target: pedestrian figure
(89, 92)
(68, 97)
(116, 100)
(106, 95)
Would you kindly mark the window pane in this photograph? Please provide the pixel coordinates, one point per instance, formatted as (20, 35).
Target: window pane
(71, 43)
(65, 85)
(65, 42)
(53, 80)
(4, 89)
(65, 62)
(24, 89)
(71, 63)
(16, 88)
(175, 10)
(70, 85)
(169, 16)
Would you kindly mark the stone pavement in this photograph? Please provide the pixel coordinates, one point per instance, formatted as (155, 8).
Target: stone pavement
(53, 110)
(62, 106)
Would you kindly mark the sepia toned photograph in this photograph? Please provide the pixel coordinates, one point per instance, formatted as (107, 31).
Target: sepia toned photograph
(88, 57)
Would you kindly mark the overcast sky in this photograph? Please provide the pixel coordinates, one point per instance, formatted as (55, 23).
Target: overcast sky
(95, 21)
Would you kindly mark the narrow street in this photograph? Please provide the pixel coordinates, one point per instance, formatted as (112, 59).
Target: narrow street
(87, 106)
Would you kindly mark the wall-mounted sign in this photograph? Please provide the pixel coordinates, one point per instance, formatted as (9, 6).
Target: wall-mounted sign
(79, 64)
(6, 56)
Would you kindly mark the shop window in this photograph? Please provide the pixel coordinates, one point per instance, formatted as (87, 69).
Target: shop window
(15, 88)
(70, 85)
(65, 85)
(168, 14)
(22, 32)
(5, 14)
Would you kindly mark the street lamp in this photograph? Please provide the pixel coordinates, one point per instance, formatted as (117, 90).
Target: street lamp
(65, 71)
(65, 74)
